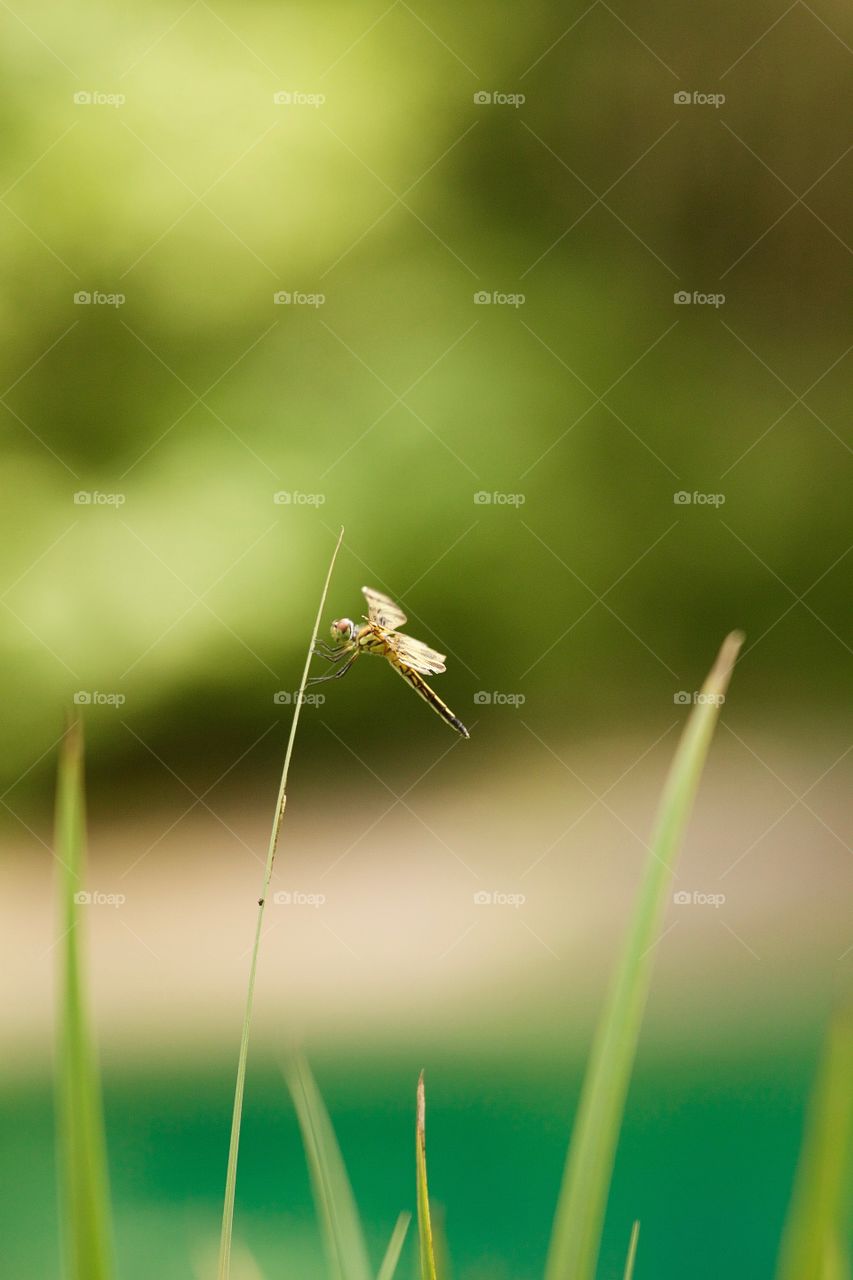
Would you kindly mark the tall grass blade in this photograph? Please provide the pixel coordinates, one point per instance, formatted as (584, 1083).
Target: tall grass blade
(342, 1233)
(239, 1088)
(632, 1251)
(427, 1253)
(814, 1243)
(83, 1188)
(395, 1247)
(579, 1218)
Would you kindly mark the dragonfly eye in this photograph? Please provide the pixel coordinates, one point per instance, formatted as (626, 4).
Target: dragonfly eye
(342, 630)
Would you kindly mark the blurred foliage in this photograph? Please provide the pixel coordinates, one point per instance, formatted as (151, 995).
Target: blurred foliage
(399, 398)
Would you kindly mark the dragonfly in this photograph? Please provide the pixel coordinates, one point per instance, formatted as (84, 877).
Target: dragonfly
(380, 634)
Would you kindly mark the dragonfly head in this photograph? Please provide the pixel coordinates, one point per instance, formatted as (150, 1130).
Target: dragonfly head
(343, 630)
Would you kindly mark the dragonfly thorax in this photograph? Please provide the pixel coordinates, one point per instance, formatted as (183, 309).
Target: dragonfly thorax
(343, 630)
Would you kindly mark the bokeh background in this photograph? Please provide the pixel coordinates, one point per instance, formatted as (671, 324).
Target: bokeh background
(273, 269)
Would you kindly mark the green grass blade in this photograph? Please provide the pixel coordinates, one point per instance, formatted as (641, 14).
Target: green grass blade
(224, 1270)
(427, 1253)
(395, 1248)
(579, 1218)
(82, 1162)
(814, 1242)
(632, 1251)
(342, 1232)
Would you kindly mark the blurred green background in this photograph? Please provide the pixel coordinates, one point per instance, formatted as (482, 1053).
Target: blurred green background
(246, 252)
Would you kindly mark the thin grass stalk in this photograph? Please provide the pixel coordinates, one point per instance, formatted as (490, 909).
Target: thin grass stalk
(395, 1248)
(632, 1251)
(236, 1118)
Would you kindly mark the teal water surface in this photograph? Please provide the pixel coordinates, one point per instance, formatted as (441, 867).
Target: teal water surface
(705, 1162)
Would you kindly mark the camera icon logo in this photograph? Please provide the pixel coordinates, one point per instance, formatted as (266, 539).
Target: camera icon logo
(481, 698)
(682, 298)
(282, 298)
(682, 698)
(481, 498)
(482, 298)
(482, 898)
(82, 98)
(83, 898)
(682, 898)
(482, 98)
(282, 898)
(282, 698)
(682, 498)
(82, 698)
(82, 298)
(682, 98)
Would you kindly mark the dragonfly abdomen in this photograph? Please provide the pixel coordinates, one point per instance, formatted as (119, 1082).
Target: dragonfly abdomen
(416, 680)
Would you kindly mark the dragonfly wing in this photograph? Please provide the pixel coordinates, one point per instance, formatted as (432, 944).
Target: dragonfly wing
(416, 654)
(382, 610)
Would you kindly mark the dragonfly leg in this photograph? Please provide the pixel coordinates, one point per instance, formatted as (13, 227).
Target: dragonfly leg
(330, 656)
(336, 675)
(327, 650)
(331, 653)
